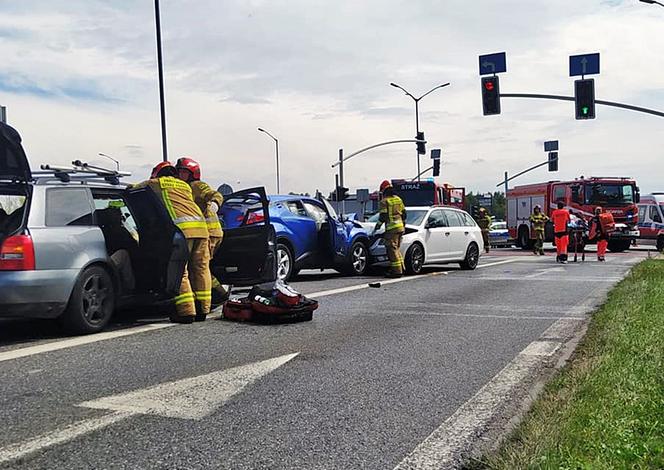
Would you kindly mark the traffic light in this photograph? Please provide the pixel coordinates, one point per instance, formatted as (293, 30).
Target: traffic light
(553, 161)
(436, 167)
(421, 146)
(584, 98)
(342, 193)
(490, 95)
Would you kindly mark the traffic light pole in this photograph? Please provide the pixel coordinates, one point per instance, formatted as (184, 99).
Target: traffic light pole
(507, 180)
(341, 181)
(571, 98)
(421, 173)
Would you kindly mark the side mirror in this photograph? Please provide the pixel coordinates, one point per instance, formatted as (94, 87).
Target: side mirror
(637, 195)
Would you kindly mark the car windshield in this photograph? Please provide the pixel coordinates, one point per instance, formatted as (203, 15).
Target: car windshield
(413, 216)
(609, 194)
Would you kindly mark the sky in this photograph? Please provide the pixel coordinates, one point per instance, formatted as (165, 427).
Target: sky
(79, 77)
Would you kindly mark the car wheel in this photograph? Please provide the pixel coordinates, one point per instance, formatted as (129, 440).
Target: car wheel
(359, 259)
(618, 246)
(472, 257)
(91, 303)
(285, 262)
(660, 244)
(414, 259)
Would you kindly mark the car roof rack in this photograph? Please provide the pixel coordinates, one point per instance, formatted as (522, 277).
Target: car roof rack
(79, 171)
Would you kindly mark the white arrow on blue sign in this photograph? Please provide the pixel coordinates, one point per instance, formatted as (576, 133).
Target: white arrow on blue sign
(584, 64)
(493, 63)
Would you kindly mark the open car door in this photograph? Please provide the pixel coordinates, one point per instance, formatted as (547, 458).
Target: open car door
(163, 248)
(248, 253)
(14, 164)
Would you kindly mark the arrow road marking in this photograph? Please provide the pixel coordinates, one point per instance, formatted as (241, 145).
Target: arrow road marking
(584, 63)
(487, 64)
(192, 398)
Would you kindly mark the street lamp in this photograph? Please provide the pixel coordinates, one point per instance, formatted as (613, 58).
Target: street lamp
(276, 142)
(417, 112)
(653, 2)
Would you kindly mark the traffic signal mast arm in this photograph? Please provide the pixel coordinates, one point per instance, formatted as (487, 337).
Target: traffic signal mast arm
(404, 141)
(523, 172)
(571, 98)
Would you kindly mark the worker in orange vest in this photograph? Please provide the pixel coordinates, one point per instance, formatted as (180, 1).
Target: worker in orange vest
(600, 234)
(561, 218)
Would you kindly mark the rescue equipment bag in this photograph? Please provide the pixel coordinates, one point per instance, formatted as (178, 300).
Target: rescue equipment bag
(272, 302)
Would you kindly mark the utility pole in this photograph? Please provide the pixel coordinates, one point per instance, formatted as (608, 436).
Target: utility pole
(164, 145)
(3, 114)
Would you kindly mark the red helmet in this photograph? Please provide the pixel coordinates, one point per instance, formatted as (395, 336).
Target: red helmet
(384, 185)
(187, 163)
(163, 169)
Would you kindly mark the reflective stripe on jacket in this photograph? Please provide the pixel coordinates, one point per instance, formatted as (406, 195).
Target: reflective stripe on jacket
(392, 213)
(538, 221)
(203, 196)
(179, 202)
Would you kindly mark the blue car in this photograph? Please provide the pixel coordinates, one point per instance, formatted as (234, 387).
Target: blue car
(310, 235)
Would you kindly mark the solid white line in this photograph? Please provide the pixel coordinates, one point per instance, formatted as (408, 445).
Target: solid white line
(343, 290)
(479, 315)
(16, 451)
(78, 341)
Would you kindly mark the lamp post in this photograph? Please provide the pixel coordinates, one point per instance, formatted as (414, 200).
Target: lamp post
(160, 65)
(276, 143)
(653, 2)
(417, 112)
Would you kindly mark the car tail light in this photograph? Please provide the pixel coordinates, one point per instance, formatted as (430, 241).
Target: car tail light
(17, 254)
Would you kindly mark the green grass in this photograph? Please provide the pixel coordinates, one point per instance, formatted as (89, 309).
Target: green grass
(605, 409)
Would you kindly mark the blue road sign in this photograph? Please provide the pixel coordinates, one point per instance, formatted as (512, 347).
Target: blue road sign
(435, 154)
(584, 64)
(551, 146)
(493, 63)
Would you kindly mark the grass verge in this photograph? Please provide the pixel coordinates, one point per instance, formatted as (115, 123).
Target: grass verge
(605, 409)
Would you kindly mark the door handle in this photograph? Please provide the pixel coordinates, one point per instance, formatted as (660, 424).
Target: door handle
(466, 233)
(447, 234)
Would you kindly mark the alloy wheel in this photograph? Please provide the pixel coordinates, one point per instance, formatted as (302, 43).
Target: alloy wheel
(359, 258)
(96, 298)
(283, 263)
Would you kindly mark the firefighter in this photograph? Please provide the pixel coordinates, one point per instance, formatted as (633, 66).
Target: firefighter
(484, 221)
(538, 221)
(193, 301)
(599, 233)
(393, 215)
(561, 218)
(209, 201)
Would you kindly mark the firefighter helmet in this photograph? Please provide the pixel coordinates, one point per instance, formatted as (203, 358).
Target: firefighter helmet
(384, 185)
(163, 169)
(187, 163)
(537, 207)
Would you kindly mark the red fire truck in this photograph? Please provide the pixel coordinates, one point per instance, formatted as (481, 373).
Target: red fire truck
(618, 196)
(427, 192)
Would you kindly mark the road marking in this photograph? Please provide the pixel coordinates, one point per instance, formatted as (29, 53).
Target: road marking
(546, 271)
(78, 341)
(16, 451)
(192, 398)
(479, 315)
(343, 290)
(440, 448)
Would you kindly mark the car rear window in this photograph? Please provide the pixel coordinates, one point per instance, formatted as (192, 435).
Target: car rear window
(66, 207)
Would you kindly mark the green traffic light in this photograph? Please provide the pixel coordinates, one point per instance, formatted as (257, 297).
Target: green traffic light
(585, 110)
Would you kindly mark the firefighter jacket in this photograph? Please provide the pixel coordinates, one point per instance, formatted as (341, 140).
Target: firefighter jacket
(179, 202)
(538, 220)
(392, 214)
(560, 219)
(203, 196)
(484, 222)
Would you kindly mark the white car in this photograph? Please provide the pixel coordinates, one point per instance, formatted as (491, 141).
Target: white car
(434, 235)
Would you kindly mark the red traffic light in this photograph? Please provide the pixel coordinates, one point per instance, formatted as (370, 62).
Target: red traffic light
(489, 86)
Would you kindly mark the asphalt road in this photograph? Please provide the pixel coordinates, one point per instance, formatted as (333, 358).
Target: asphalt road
(414, 374)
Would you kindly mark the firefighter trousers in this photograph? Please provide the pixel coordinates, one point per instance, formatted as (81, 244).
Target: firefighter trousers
(393, 247)
(539, 242)
(215, 243)
(195, 289)
(485, 239)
